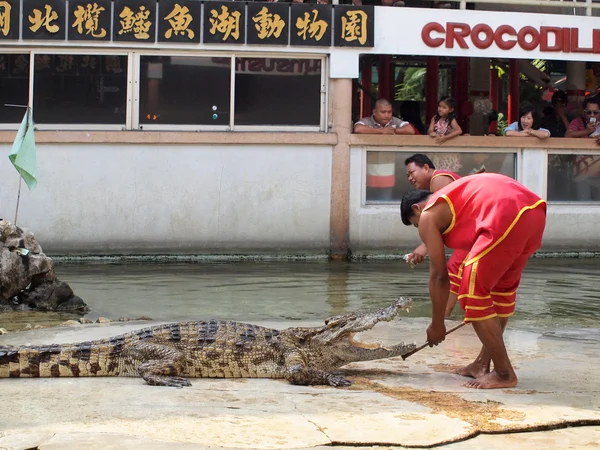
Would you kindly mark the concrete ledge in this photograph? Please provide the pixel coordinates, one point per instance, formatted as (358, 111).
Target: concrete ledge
(176, 137)
(476, 142)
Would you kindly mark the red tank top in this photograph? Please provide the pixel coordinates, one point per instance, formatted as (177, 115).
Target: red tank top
(442, 173)
(485, 207)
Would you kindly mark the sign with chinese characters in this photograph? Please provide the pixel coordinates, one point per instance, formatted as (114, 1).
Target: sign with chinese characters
(89, 20)
(311, 25)
(44, 19)
(188, 22)
(268, 23)
(134, 20)
(224, 22)
(179, 21)
(9, 19)
(354, 27)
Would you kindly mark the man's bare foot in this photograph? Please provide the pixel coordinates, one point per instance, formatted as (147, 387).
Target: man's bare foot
(493, 380)
(473, 370)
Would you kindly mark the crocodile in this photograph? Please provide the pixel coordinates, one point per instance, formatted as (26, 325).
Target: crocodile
(169, 354)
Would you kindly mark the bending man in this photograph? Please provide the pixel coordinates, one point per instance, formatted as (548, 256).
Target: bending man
(500, 224)
(422, 174)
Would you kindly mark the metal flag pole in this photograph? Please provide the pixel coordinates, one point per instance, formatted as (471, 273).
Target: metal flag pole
(20, 171)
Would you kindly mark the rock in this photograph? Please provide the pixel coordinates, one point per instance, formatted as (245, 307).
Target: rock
(3, 331)
(144, 318)
(27, 278)
(124, 319)
(39, 327)
(103, 320)
(84, 320)
(70, 323)
(27, 327)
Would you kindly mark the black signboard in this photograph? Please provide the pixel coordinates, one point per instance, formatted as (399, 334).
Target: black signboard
(134, 20)
(224, 23)
(179, 21)
(9, 19)
(89, 20)
(268, 23)
(354, 26)
(189, 21)
(311, 25)
(44, 19)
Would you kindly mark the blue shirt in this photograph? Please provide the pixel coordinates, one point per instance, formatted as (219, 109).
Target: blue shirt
(515, 127)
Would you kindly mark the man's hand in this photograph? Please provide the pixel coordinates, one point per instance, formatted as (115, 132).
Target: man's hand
(418, 256)
(388, 130)
(436, 333)
(591, 127)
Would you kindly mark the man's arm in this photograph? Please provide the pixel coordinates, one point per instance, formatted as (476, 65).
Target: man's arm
(359, 128)
(440, 181)
(439, 282)
(403, 127)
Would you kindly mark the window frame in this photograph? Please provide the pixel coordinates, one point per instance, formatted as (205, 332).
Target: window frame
(546, 180)
(370, 204)
(83, 126)
(232, 126)
(132, 113)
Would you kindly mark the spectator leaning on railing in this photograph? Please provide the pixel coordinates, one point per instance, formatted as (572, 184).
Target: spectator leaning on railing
(586, 125)
(527, 125)
(382, 121)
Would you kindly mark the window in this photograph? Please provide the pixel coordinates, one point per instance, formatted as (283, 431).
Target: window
(185, 90)
(162, 91)
(386, 172)
(14, 86)
(80, 89)
(275, 91)
(574, 178)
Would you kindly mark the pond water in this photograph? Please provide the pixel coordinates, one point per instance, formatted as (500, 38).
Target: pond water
(553, 293)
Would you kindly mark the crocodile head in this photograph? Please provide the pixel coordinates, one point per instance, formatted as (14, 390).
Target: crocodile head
(336, 342)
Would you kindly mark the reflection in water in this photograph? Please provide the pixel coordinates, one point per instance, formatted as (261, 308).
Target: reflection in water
(553, 292)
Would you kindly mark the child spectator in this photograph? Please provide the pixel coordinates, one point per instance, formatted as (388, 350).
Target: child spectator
(443, 125)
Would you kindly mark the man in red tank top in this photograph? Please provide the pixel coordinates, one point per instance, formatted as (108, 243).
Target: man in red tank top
(422, 174)
(500, 224)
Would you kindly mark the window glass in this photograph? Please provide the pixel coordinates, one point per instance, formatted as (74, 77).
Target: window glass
(386, 172)
(185, 90)
(272, 91)
(14, 86)
(80, 89)
(574, 178)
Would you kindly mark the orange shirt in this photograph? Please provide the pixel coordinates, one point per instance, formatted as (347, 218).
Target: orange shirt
(485, 207)
(442, 173)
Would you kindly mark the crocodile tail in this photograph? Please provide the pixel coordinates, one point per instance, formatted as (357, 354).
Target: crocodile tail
(77, 360)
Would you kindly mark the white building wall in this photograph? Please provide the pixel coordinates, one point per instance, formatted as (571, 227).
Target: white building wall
(174, 198)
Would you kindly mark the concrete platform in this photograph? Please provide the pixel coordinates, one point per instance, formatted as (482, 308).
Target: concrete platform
(393, 403)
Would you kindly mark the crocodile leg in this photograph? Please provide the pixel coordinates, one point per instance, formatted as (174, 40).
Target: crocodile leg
(305, 376)
(160, 364)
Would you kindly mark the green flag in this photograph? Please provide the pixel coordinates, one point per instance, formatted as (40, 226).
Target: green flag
(22, 154)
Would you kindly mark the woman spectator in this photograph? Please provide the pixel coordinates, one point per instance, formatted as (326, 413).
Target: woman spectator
(527, 125)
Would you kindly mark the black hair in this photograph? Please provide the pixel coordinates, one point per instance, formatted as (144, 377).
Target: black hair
(411, 112)
(525, 109)
(589, 100)
(420, 160)
(452, 104)
(560, 95)
(409, 199)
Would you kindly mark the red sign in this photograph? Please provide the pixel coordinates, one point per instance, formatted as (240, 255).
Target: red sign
(529, 38)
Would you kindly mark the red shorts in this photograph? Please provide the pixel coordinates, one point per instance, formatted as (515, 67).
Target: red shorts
(488, 287)
(455, 268)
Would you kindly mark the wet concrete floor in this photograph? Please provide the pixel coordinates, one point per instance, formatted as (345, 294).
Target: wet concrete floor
(392, 403)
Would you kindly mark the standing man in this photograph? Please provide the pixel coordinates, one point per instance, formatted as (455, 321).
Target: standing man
(500, 223)
(381, 166)
(422, 174)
